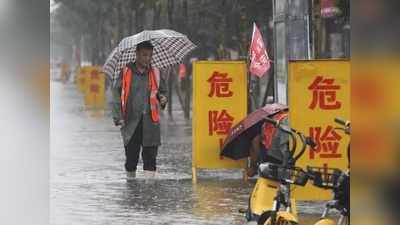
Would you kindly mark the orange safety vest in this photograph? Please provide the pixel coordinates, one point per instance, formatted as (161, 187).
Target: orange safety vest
(269, 130)
(154, 82)
(182, 71)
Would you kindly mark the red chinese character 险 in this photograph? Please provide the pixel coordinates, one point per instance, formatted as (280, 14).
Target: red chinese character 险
(327, 142)
(219, 122)
(94, 75)
(324, 94)
(220, 85)
(82, 80)
(94, 88)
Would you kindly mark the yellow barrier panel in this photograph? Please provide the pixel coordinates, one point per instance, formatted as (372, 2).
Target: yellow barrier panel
(94, 87)
(375, 113)
(319, 91)
(81, 79)
(65, 72)
(219, 102)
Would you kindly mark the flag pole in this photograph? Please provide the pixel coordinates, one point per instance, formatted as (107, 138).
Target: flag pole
(249, 95)
(248, 61)
(269, 86)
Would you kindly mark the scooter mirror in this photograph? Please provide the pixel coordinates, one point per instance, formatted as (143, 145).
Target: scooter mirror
(311, 142)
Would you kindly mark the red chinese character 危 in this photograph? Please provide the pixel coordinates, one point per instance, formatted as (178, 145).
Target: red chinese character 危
(220, 85)
(327, 142)
(324, 94)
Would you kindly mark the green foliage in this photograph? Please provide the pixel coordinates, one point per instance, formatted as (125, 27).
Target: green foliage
(210, 24)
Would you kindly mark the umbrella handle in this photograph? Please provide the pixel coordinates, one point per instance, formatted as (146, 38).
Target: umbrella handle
(270, 120)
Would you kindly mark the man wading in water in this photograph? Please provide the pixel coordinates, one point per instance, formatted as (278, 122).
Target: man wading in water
(138, 93)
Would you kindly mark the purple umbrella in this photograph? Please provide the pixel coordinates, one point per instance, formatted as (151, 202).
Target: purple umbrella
(237, 143)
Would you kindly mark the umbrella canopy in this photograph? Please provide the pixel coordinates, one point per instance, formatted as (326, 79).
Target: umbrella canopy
(237, 143)
(170, 47)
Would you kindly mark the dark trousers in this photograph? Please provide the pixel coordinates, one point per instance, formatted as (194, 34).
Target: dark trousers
(132, 151)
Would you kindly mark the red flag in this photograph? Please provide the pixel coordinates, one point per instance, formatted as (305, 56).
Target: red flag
(260, 62)
(328, 8)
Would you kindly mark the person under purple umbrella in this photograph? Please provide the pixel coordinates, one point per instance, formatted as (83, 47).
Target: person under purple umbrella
(259, 140)
(270, 145)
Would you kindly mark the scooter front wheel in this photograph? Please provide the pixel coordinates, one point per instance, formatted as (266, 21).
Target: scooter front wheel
(265, 219)
(326, 222)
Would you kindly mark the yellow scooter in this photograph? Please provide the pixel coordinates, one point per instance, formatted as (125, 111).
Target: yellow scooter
(339, 182)
(271, 202)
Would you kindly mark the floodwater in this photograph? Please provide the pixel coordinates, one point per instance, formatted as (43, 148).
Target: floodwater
(88, 184)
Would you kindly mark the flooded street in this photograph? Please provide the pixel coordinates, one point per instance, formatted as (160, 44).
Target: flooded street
(88, 184)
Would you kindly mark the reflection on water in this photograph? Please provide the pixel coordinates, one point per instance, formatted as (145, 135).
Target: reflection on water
(88, 183)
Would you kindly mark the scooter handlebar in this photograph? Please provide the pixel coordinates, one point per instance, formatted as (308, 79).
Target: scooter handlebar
(342, 121)
(305, 140)
(311, 142)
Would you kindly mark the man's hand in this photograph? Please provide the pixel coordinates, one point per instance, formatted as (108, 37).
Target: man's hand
(119, 122)
(163, 100)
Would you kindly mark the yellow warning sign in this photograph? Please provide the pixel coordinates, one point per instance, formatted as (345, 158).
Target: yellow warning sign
(219, 102)
(91, 83)
(319, 91)
(81, 79)
(95, 90)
